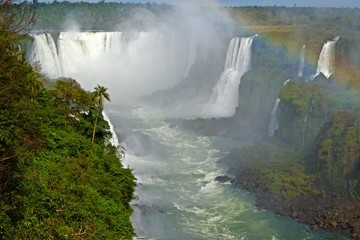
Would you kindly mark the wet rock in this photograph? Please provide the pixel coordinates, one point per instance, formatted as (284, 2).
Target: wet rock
(223, 179)
(146, 209)
(329, 211)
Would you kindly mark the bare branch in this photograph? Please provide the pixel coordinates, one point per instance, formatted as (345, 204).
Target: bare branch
(16, 18)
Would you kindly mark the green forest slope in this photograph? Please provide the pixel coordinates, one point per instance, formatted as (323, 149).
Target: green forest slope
(54, 182)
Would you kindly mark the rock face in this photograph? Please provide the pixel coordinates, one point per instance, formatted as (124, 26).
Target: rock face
(327, 210)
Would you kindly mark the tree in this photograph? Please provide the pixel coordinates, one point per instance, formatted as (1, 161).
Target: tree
(16, 18)
(18, 85)
(71, 97)
(100, 95)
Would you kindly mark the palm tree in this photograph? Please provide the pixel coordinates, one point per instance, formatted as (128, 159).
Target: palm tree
(100, 95)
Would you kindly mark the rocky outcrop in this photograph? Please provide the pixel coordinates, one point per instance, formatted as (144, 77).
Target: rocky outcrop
(223, 179)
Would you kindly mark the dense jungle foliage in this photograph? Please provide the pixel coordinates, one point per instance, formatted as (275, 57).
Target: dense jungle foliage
(54, 182)
(338, 153)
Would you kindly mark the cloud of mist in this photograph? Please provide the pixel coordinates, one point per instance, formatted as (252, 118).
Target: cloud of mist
(155, 58)
(70, 24)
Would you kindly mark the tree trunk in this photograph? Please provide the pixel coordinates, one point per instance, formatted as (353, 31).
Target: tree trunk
(94, 129)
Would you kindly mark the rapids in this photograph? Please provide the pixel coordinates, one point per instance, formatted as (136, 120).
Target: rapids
(177, 195)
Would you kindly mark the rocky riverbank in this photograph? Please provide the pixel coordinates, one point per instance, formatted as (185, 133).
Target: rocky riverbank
(328, 211)
(283, 184)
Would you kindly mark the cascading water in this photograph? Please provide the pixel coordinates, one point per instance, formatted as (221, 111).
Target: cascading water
(115, 57)
(114, 139)
(44, 51)
(326, 62)
(225, 97)
(302, 62)
(274, 124)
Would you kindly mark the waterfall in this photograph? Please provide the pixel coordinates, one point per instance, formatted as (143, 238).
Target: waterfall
(130, 65)
(302, 62)
(326, 62)
(114, 139)
(273, 124)
(44, 52)
(225, 96)
(61, 57)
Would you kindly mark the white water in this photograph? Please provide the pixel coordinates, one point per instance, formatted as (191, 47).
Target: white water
(225, 97)
(178, 197)
(302, 62)
(114, 139)
(133, 64)
(326, 62)
(274, 124)
(44, 52)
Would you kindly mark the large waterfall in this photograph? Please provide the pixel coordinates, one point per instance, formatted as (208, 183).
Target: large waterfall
(326, 62)
(133, 64)
(225, 97)
(59, 57)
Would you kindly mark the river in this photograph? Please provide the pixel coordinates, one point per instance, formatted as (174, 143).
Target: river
(177, 197)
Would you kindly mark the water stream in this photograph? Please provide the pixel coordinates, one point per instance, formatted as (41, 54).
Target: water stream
(177, 195)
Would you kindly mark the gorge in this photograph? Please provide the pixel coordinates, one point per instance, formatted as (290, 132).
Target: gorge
(197, 101)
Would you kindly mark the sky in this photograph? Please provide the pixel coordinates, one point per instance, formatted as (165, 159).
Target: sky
(288, 3)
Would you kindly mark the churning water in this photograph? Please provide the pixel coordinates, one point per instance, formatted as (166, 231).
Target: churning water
(177, 195)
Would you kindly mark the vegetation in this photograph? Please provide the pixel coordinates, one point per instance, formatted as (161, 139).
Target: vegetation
(337, 154)
(312, 118)
(102, 15)
(100, 95)
(61, 179)
(282, 171)
(62, 15)
(322, 117)
(330, 18)
(304, 109)
(54, 182)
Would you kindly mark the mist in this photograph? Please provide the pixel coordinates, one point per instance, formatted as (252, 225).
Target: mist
(142, 62)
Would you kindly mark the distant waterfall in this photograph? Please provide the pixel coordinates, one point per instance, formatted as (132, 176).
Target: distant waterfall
(132, 63)
(225, 97)
(326, 62)
(274, 124)
(302, 62)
